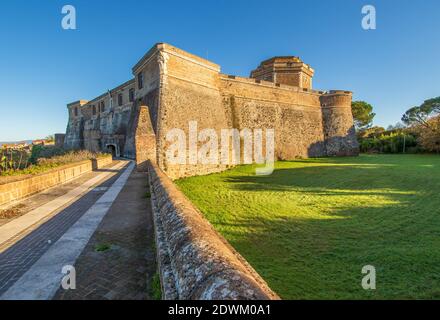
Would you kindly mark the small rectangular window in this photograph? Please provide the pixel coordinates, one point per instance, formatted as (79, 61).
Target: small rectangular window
(102, 106)
(76, 112)
(94, 109)
(131, 95)
(140, 80)
(120, 99)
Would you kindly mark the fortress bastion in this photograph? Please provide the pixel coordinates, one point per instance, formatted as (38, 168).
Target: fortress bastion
(171, 87)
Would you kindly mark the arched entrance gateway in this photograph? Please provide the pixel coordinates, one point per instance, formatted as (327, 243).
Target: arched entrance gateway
(113, 149)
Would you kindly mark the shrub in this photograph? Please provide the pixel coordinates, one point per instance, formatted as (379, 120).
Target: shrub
(11, 159)
(69, 157)
(39, 151)
(395, 141)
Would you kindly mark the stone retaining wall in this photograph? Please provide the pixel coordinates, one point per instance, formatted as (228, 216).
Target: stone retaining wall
(195, 262)
(29, 185)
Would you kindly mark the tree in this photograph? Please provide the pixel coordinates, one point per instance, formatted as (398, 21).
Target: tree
(397, 126)
(422, 114)
(429, 136)
(362, 114)
(50, 138)
(370, 132)
(425, 121)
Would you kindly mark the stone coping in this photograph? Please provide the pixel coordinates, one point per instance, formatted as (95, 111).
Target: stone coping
(264, 83)
(22, 186)
(20, 177)
(165, 47)
(195, 261)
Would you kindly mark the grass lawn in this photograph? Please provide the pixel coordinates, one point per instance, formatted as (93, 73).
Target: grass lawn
(311, 226)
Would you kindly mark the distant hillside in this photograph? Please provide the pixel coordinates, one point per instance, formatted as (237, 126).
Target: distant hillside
(12, 142)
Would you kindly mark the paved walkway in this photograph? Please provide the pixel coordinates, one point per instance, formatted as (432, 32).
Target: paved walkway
(114, 211)
(124, 267)
(34, 212)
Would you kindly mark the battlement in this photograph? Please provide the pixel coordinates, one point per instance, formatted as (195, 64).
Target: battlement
(271, 84)
(338, 92)
(337, 99)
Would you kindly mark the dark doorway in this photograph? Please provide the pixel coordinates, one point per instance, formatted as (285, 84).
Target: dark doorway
(112, 149)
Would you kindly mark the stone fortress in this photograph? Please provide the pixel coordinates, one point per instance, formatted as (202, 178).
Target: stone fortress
(172, 87)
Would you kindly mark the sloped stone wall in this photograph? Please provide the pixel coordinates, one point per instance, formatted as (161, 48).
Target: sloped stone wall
(195, 262)
(145, 139)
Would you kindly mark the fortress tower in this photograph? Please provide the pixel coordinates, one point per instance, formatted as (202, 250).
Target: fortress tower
(339, 133)
(171, 88)
(287, 70)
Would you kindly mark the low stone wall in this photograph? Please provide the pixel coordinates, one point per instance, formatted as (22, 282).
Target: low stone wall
(28, 185)
(195, 262)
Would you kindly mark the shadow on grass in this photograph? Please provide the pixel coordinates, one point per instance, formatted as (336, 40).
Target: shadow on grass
(310, 230)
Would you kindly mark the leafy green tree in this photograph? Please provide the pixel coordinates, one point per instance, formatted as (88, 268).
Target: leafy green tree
(363, 114)
(422, 114)
(397, 126)
(372, 131)
(429, 136)
(425, 121)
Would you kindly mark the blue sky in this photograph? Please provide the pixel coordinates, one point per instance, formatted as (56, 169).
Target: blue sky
(43, 67)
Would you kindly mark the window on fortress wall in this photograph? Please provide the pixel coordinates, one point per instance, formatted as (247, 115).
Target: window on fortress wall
(102, 106)
(140, 80)
(131, 95)
(75, 111)
(120, 99)
(93, 109)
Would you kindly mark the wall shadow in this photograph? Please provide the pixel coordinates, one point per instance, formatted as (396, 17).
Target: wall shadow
(346, 215)
(340, 146)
